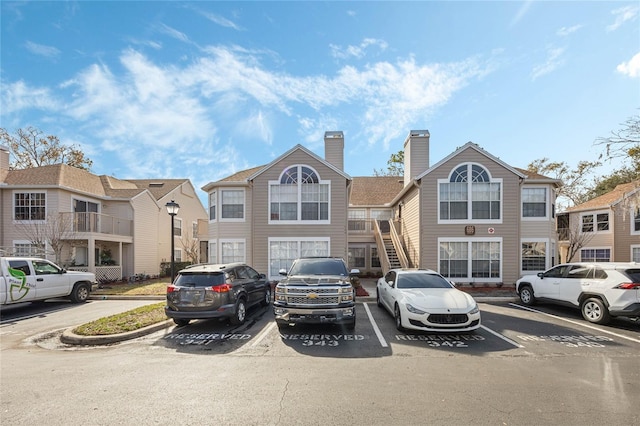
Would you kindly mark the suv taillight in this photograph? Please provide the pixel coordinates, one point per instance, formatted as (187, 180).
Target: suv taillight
(171, 288)
(628, 286)
(222, 288)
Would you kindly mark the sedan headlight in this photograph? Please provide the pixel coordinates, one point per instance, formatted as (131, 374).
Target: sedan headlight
(474, 310)
(414, 310)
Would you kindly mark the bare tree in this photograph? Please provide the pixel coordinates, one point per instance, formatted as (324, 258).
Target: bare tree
(31, 148)
(576, 240)
(625, 142)
(52, 232)
(576, 183)
(191, 247)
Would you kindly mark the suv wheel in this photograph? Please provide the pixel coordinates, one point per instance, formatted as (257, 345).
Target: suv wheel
(181, 321)
(267, 297)
(241, 313)
(593, 310)
(526, 295)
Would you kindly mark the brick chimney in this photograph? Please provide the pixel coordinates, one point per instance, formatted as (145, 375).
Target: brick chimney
(416, 154)
(334, 148)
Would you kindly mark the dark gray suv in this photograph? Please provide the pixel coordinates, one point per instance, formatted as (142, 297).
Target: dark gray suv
(216, 291)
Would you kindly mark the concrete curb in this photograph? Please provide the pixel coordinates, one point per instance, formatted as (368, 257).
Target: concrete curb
(70, 338)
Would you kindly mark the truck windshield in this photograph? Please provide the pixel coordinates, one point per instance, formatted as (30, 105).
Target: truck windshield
(319, 267)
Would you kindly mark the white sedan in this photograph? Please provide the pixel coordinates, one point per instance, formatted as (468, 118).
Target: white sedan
(422, 299)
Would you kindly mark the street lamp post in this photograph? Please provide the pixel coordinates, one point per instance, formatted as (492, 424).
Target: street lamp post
(172, 209)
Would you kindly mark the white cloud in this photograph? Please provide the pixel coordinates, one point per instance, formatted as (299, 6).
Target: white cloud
(19, 96)
(155, 117)
(521, 12)
(554, 61)
(565, 31)
(630, 68)
(357, 51)
(42, 50)
(220, 20)
(623, 15)
(172, 32)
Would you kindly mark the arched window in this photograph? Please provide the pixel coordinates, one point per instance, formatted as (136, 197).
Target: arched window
(470, 193)
(299, 195)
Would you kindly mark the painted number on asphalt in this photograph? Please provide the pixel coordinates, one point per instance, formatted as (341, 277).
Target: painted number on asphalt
(445, 340)
(585, 341)
(203, 339)
(330, 340)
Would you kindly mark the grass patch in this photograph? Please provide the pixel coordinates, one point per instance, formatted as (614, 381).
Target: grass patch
(146, 288)
(125, 321)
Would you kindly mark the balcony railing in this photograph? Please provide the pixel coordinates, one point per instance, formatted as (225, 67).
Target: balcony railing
(99, 223)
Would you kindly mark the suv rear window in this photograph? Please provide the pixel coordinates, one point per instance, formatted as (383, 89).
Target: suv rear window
(634, 274)
(192, 279)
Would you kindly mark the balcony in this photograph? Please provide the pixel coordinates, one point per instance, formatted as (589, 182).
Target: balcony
(99, 223)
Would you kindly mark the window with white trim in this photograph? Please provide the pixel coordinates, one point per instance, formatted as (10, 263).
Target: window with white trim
(29, 206)
(232, 251)
(357, 219)
(635, 215)
(299, 196)
(232, 204)
(194, 230)
(212, 205)
(595, 255)
(375, 259)
(595, 222)
(283, 251)
(177, 227)
(534, 202)
(534, 256)
(177, 255)
(27, 249)
(357, 257)
(635, 253)
(470, 194)
(472, 260)
(213, 253)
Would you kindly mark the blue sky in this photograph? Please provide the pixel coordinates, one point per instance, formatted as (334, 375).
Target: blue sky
(203, 89)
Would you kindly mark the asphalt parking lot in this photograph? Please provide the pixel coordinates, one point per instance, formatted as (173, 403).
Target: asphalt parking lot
(507, 328)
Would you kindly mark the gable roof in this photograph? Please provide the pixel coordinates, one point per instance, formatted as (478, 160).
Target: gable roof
(299, 147)
(475, 147)
(609, 199)
(245, 176)
(374, 190)
(79, 180)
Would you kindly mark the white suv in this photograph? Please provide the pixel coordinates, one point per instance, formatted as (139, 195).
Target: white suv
(601, 290)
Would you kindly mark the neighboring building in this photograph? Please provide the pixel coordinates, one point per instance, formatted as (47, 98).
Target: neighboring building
(604, 229)
(470, 216)
(115, 228)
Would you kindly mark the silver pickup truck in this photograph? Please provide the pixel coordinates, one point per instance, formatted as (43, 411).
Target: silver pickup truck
(316, 290)
(27, 279)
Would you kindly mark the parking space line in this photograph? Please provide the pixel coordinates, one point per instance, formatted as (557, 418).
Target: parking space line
(526, 308)
(501, 336)
(263, 334)
(383, 342)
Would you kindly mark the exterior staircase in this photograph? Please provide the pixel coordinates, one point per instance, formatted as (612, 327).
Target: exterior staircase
(392, 255)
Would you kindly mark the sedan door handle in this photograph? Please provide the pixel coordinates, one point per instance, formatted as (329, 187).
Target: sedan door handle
(39, 279)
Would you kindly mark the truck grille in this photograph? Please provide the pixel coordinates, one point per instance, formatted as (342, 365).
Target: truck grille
(304, 300)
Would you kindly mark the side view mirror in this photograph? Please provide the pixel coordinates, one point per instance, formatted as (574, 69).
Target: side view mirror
(390, 283)
(355, 272)
(263, 277)
(282, 272)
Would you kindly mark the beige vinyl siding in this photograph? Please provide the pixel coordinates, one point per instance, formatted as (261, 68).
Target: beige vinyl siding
(151, 244)
(623, 236)
(508, 230)
(336, 230)
(411, 226)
